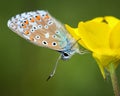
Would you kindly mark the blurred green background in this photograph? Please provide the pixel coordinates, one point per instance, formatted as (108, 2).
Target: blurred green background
(24, 67)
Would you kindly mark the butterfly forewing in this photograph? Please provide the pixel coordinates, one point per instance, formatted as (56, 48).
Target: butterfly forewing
(40, 28)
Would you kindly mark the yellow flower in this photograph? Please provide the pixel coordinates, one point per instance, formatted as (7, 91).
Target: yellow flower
(101, 36)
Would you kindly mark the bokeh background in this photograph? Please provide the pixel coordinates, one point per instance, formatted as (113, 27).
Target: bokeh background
(24, 67)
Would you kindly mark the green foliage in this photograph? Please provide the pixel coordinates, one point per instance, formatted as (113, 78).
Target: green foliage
(25, 67)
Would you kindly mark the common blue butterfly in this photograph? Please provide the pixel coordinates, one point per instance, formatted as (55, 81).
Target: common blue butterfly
(40, 28)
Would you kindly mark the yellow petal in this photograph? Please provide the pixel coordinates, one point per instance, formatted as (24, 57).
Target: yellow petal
(73, 31)
(102, 37)
(75, 34)
(105, 58)
(100, 65)
(95, 35)
(115, 38)
(98, 19)
(112, 21)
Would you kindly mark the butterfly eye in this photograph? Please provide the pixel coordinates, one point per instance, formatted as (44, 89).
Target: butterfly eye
(65, 56)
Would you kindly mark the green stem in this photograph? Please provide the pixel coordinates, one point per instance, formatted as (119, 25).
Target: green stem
(114, 80)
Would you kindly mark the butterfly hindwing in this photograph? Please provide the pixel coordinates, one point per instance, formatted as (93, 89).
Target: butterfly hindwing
(39, 28)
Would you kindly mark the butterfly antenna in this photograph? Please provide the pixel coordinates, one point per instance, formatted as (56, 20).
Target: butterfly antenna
(54, 70)
(75, 43)
(80, 51)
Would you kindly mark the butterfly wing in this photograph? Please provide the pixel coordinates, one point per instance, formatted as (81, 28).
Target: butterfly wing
(41, 29)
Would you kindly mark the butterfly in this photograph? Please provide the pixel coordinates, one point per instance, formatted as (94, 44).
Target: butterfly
(40, 28)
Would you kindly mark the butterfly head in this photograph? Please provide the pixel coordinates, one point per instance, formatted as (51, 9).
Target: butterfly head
(67, 54)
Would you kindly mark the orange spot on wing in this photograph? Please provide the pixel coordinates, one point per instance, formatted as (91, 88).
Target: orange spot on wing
(31, 39)
(26, 22)
(32, 20)
(24, 26)
(47, 16)
(38, 17)
(26, 32)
